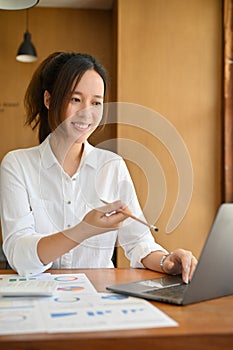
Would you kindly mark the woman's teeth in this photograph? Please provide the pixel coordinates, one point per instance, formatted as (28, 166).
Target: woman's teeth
(80, 126)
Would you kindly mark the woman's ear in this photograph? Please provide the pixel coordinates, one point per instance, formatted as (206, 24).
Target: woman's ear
(46, 99)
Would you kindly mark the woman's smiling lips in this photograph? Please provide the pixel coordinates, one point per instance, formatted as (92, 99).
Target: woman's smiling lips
(81, 126)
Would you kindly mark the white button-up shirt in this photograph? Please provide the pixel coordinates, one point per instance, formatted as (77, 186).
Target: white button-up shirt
(38, 198)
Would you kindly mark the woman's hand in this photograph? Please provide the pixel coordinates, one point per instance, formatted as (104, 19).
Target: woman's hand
(97, 221)
(106, 218)
(180, 261)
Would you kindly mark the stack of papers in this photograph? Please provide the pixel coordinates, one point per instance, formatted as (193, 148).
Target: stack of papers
(75, 306)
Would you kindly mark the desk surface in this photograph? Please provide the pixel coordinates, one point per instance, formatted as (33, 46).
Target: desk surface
(205, 325)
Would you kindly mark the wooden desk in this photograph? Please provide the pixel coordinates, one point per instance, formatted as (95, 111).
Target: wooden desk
(205, 325)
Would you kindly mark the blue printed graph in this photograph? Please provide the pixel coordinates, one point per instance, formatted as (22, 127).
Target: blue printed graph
(62, 314)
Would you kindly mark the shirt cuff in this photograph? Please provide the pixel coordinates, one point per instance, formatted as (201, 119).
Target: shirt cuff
(26, 261)
(141, 251)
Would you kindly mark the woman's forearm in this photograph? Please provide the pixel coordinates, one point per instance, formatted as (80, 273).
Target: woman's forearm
(51, 247)
(152, 260)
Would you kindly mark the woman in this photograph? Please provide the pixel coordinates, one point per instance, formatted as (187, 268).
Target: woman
(49, 192)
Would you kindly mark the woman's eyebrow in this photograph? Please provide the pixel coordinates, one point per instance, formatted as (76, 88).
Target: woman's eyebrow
(99, 96)
(80, 93)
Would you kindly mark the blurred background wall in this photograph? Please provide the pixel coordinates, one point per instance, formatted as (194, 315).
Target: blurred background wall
(163, 55)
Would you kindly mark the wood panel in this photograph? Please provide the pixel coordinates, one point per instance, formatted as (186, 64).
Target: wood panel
(170, 60)
(228, 102)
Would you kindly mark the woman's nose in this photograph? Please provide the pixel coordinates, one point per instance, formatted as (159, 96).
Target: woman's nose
(85, 111)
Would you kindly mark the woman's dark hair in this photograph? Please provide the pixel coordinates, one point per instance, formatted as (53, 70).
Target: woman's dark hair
(57, 74)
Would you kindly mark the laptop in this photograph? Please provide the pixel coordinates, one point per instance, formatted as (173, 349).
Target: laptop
(213, 276)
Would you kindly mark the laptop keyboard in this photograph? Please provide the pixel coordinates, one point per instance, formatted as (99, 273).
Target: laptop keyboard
(174, 292)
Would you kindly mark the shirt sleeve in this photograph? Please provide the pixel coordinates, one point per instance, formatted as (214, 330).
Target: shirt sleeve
(135, 238)
(18, 227)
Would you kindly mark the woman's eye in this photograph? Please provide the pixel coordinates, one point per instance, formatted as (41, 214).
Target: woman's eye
(75, 99)
(96, 103)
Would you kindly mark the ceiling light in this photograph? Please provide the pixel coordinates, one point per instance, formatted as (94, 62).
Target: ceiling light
(26, 52)
(17, 4)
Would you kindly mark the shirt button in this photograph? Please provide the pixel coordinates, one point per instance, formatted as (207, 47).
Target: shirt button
(68, 225)
(68, 202)
(74, 179)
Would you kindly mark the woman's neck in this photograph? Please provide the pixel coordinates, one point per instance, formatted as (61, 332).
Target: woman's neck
(73, 159)
(69, 156)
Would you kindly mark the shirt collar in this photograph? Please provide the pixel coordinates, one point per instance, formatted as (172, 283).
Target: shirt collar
(89, 156)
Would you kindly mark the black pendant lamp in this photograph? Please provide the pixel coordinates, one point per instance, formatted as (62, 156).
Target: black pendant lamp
(26, 52)
(17, 4)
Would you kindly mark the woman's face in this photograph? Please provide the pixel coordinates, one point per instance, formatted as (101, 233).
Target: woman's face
(85, 107)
